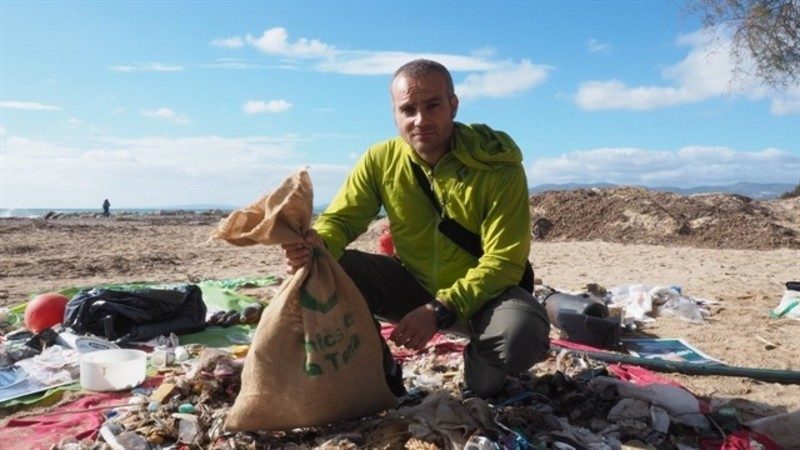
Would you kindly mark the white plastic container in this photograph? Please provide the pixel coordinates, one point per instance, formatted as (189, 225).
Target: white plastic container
(113, 370)
(84, 344)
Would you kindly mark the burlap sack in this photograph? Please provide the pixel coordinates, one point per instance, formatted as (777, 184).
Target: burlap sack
(316, 354)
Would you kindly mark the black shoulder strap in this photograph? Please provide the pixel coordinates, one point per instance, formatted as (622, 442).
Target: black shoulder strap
(426, 186)
(464, 238)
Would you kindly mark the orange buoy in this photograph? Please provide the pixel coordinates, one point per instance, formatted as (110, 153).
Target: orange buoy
(45, 311)
(386, 243)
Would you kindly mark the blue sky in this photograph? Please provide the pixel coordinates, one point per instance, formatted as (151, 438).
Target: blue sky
(171, 103)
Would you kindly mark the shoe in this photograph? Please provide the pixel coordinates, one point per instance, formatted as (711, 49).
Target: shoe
(394, 379)
(513, 392)
(466, 393)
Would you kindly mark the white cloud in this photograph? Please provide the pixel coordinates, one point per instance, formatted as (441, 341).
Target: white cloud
(222, 63)
(491, 77)
(706, 72)
(231, 42)
(75, 124)
(786, 103)
(326, 58)
(269, 107)
(484, 52)
(147, 67)
(595, 46)
(687, 166)
(344, 136)
(614, 94)
(232, 64)
(118, 111)
(276, 41)
(503, 82)
(166, 114)
(385, 63)
(155, 171)
(31, 106)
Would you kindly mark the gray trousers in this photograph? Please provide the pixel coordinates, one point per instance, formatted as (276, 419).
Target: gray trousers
(507, 336)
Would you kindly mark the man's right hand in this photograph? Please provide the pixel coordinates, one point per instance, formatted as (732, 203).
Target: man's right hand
(298, 254)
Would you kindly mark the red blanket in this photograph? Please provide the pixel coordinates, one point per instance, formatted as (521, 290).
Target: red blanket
(80, 419)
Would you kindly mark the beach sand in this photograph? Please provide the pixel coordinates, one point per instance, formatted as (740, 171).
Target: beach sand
(38, 255)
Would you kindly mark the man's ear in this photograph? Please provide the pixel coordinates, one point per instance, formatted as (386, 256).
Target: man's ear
(453, 106)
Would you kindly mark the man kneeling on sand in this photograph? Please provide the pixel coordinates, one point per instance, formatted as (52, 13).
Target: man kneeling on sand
(469, 177)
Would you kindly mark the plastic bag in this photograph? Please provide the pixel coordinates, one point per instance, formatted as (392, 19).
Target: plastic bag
(789, 306)
(137, 315)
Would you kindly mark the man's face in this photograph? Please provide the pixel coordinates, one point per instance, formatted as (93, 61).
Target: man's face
(424, 113)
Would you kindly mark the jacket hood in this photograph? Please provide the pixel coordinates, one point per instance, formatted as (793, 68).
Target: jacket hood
(480, 147)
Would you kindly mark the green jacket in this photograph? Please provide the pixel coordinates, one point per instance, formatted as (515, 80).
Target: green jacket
(480, 183)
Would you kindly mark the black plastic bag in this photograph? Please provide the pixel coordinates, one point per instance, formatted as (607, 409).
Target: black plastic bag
(138, 314)
(600, 332)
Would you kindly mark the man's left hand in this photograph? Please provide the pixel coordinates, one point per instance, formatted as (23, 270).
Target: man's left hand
(416, 328)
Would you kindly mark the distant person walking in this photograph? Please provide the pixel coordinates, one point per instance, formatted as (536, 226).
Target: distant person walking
(106, 208)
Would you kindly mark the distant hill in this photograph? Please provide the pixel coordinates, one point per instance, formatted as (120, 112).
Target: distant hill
(757, 191)
(568, 187)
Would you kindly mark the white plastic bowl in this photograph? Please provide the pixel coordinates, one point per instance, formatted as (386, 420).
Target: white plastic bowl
(113, 370)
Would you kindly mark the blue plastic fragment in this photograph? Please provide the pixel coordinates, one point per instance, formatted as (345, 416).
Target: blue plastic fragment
(142, 391)
(186, 408)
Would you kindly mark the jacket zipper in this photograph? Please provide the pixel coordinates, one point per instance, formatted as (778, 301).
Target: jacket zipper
(436, 234)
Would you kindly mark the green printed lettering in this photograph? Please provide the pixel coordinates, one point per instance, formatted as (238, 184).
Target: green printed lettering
(322, 341)
(312, 369)
(332, 357)
(309, 302)
(348, 320)
(348, 353)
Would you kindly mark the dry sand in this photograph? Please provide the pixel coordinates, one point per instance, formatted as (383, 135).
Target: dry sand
(38, 255)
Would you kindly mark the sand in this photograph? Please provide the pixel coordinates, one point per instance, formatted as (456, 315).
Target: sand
(38, 255)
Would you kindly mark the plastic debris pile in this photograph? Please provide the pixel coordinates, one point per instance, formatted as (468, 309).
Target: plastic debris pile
(579, 406)
(639, 304)
(642, 303)
(566, 402)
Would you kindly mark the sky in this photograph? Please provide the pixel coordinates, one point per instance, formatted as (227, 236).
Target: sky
(168, 103)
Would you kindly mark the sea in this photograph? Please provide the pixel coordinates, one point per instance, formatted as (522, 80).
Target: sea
(32, 213)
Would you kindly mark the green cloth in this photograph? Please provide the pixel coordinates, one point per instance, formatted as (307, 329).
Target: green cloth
(216, 296)
(480, 184)
(44, 398)
(218, 336)
(238, 283)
